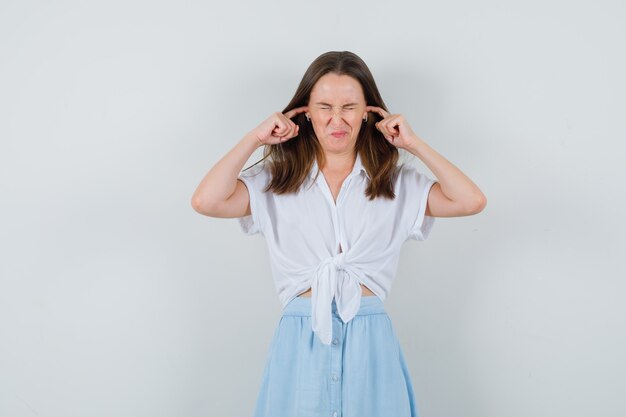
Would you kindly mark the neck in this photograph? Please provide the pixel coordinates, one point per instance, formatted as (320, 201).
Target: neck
(339, 163)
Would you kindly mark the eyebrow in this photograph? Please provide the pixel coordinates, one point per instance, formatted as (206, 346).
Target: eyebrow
(326, 104)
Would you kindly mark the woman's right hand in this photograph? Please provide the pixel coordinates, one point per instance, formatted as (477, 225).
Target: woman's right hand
(278, 127)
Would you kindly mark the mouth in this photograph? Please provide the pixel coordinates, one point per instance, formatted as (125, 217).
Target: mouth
(339, 134)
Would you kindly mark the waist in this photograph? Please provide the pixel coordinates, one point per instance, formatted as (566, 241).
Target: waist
(364, 291)
(301, 306)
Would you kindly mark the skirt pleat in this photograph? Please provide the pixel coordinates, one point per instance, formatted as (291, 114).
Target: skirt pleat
(362, 373)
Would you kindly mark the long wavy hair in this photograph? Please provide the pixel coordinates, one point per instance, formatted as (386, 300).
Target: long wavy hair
(291, 161)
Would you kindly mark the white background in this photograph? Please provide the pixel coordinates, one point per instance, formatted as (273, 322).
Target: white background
(117, 299)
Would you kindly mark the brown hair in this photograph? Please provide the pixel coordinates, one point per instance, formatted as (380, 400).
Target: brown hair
(291, 161)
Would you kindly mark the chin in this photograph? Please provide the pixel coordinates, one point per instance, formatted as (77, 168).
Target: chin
(338, 146)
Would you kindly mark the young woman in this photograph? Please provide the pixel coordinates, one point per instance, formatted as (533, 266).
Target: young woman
(335, 206)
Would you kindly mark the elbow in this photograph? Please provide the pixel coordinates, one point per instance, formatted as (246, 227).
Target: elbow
(474, 205)
(478, 204)
(200, 205)
(196, 203)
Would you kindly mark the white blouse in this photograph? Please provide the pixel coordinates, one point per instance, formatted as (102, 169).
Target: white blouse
(306, 231)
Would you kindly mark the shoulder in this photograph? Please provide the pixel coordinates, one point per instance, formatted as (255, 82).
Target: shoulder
(256, 177)
(408, 175)
(258, 169)
(258, 173)
(405, 171)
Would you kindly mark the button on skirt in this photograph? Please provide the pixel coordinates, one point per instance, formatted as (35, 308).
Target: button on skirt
(362, 373)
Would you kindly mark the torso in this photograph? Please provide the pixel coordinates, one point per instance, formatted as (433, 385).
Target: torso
(335, 186)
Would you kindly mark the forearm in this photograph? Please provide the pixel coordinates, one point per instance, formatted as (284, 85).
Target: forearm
(454, 184)
(220, 182)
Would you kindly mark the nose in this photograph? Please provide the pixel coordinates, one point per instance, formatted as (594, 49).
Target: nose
(336, 117)
(336, 122)
(337, 111)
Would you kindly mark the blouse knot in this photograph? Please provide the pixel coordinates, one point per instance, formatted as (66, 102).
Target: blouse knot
(337, 260)
(338, 280)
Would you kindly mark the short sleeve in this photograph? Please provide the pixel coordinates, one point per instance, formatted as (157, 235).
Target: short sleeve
(416, 189)
(254, 180)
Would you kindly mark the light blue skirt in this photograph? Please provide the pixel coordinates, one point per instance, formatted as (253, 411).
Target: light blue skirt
(362, 373)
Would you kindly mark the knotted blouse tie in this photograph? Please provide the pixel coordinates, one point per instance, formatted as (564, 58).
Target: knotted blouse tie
(333, 278)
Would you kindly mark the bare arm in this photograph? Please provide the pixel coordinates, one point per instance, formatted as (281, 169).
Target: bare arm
(220, 194)
(454, 194)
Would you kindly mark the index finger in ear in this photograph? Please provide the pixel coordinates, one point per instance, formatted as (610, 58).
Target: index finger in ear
(291, 113)
(378, 110)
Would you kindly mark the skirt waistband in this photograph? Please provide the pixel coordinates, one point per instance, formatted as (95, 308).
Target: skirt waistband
(301, 306)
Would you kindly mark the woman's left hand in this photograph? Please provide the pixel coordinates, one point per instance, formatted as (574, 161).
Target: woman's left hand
(394, 128)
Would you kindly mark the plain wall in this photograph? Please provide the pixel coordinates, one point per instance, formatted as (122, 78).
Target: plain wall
(117, 299)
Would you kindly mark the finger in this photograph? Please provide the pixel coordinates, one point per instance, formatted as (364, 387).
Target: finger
(387, 129)
(283, 125)
(384, 113)
(278, 131)
(288, 131)
(278, 124)
(382, 127)
(279, 128)
(289, 123)
(286, 121)
(293, 112)
(391, 125)
(291, 131)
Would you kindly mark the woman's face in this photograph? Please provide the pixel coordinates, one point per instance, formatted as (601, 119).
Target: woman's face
(336, 108)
